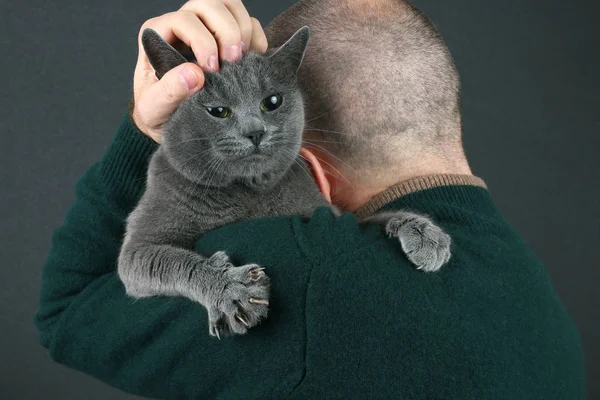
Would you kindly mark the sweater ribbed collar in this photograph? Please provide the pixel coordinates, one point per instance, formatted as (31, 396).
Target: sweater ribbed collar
(415, 185)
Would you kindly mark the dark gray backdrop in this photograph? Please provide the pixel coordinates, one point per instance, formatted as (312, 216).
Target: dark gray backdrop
(531, 111)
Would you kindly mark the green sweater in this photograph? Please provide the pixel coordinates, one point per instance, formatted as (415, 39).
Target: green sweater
(350, 318)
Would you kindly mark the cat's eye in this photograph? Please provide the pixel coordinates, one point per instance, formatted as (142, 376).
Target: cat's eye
(219, 112)
(273, 102)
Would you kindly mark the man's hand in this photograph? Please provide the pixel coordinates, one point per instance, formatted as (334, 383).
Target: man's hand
(213, 29)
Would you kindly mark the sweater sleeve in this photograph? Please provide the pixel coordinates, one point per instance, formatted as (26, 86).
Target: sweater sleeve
(157, 347)
(85, 248)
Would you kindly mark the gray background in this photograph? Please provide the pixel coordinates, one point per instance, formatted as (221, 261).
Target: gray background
(531, 110)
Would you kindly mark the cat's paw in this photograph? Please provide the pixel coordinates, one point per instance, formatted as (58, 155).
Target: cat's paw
(426, 245)
(239, 300)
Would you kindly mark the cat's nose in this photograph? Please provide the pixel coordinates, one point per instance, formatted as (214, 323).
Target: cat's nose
(255, 136)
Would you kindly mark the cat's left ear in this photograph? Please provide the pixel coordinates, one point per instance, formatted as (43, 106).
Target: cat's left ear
(291, 53)
(163, 57)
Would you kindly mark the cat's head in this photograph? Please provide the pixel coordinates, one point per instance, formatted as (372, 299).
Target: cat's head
(247, 120)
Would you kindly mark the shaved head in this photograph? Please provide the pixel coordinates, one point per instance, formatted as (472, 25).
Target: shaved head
(380, 86)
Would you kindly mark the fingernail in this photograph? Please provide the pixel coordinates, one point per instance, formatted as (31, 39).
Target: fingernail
(233, 53)
(244, 46)
(188, 79)
(213, 62)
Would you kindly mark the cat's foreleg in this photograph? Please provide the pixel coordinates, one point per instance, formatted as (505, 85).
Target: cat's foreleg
(236, 298)
(426, 245)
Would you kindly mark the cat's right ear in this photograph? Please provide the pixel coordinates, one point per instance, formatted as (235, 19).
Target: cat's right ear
(163, 57)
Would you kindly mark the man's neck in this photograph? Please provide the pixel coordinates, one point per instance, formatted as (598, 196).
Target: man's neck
(354, 196)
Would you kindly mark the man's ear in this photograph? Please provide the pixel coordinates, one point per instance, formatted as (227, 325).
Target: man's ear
(163, 57)
(291, 53)
(317, 172)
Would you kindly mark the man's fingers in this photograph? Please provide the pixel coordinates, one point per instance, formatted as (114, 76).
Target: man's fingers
(160, 99)
(213, 30)
(185, 26)
(221, 23)
(243, 20)
(196, 36)
(258, 42)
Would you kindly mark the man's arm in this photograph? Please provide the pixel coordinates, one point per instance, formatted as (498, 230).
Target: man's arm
(84, 320)
(85, 248)
(157, 347)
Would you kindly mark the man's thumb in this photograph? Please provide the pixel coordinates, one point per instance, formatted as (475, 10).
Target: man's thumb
(174, 87)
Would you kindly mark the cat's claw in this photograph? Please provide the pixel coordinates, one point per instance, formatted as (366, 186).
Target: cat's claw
(256, 273)
(243, 320)
(240, 300)
(259, 301)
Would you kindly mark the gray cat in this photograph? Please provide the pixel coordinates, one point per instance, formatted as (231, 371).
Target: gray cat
(229, 153)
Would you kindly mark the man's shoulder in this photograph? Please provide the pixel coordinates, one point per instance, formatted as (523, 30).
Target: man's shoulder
(322, 236)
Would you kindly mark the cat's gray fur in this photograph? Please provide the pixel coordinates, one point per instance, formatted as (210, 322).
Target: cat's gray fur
(209, 172)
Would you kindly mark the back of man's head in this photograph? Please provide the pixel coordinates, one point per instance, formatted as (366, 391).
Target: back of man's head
(381, 90)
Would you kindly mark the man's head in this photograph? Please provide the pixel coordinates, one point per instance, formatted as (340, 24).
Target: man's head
(381, 94)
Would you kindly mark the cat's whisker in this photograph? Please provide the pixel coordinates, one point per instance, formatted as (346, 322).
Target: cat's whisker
(308, 128)
(214, 174)
(317, 117)
(340, 175)
(335, 169)
(195, 156)
(303, 168)
(210, 172)
(331, 154)
(322, 115)
(194, 140)
(321, 141)
(200, 176)
(294, 158)
(288, 156)
(185, 163)
(207, 173)
(292, 169)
